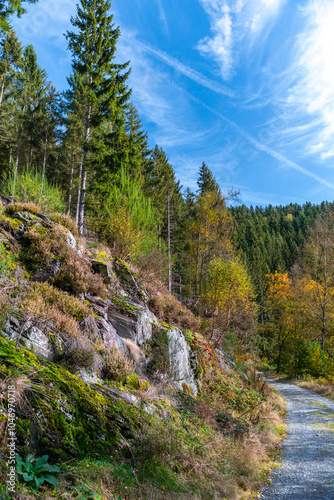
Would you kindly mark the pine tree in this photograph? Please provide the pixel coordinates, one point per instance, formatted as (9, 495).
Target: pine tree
(206, 181)
(93, 47)
(10, 59)
(8, 8)
(138, 149)
(26, 97)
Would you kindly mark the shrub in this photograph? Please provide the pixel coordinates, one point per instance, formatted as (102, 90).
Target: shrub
(168, 309)
(65, 221)
(74, 275)
(127, 220)
(79, 357)
(45, 302)
(52, 297)
(116, 365)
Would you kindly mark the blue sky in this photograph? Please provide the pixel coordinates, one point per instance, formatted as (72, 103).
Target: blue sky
(245, 85)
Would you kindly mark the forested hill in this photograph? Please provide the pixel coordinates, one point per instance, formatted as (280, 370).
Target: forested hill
(271, 238)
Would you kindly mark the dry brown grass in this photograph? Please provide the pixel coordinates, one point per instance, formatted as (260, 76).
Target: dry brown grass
(169, 310)
(321, 386)
(75, 274)
(65, 221)
(23, 207)
(116, 365)
(52, 305)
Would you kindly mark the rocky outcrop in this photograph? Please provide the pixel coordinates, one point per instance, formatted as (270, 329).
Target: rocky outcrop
(180, 370)
(131, 320)
(30, 337)
(121, 319)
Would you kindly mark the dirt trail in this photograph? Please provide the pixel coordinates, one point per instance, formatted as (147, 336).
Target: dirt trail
(307, 470)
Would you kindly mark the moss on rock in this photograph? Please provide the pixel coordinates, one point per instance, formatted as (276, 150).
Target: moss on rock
(60, 415)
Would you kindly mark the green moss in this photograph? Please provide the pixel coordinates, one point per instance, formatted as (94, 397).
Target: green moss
(71, 418)
(157, 352)
(124, 306)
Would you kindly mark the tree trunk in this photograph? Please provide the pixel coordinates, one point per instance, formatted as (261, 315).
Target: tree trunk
(2, 91)
(16, 164)
(84, 170)
(69, 199)
(169, 246)
(44, 158)
(30, 156)
(78, 195)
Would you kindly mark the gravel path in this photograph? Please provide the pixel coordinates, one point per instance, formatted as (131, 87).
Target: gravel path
(307, 470)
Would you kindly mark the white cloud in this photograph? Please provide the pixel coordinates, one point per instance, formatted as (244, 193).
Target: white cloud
(314, 92)
(231, 21)
(48, 18)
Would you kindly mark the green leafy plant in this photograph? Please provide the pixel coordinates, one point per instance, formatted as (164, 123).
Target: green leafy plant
(36, 472)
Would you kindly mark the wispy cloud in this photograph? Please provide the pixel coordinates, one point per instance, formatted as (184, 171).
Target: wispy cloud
(314, 92)
(158, 100)
(187, 71)
(162, 15)
(262, 147)
(232, 21)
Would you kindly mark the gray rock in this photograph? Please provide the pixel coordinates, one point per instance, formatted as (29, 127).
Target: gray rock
(46, 273)
(99, 329)
(131, 320)
(104, 270)
(31, 338)
(109, 336)
(89, 376)
(130, 398)
(99, 305)
(43, 217)
(70, 240)
(180, 370)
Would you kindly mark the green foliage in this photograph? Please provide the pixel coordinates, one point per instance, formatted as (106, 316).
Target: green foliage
(27, 187)
(270, 239)
(128, 220)
(35, 472)
(7, 262)
(228, 298)
(206, 181)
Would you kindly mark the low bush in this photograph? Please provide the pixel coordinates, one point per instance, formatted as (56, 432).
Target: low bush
(65, 221)
(169, 310)
(51, 305)
(73, 273)
(116, 365)
(52, 297)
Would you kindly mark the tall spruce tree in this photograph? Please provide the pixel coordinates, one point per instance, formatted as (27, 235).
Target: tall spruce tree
(8, 8)
(93, 47)
(206, 181)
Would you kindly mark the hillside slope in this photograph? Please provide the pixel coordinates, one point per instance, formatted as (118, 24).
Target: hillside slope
(112, 380)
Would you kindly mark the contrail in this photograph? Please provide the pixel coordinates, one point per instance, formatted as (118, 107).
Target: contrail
(188, 72)
(262, 147)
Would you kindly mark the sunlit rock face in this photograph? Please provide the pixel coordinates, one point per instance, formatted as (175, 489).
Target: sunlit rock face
(131, 320)
(180, 371)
